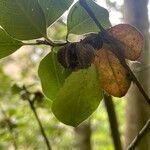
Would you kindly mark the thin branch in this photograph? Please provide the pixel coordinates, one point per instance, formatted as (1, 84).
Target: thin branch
(31, 103)
(47, 42)
(38, 42)
(113, 121)
(138, 84)
(140, 135)
(40, 124)
(53, 44)
(116, 48)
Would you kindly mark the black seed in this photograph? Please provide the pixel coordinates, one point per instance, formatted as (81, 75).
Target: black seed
(61, 56)
(76, 56)
(72, 56)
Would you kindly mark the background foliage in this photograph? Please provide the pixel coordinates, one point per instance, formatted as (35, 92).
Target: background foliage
(21, 68)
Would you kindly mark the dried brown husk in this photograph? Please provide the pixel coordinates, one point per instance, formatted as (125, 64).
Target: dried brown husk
(85, 54)
(76, 56)
(113, 76)
(131, 38)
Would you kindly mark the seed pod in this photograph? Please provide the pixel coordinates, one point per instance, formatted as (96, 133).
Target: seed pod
(62, 56)
(131, 38)
(85, 55)
(76, 56)
(94, 40)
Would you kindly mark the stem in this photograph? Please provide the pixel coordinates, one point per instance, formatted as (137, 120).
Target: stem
(53, 44)
(139, 136)
(135, 80)
(113, 121)
(49, 41)
(46, 42)
(40, 124)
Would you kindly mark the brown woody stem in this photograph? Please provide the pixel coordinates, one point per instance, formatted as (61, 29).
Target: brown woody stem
(31, 103)
(113, 121)
(40, 124)
(139, 136)
(135, 80)
(47, 42)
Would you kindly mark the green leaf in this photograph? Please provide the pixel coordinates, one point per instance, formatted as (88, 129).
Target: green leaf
(79, 22)
(54, 9)
(22, 19)
(8, 45)
(52, 75)
(78, 98)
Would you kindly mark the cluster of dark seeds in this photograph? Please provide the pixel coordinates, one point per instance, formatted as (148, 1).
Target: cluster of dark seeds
(79, 55)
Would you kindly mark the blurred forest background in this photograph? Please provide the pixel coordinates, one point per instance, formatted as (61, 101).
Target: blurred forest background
(18, 126)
